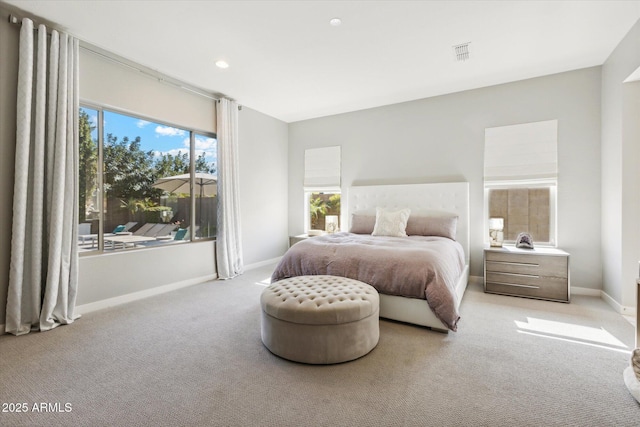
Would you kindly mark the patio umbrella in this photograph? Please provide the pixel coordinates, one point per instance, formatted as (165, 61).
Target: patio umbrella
(205, 184)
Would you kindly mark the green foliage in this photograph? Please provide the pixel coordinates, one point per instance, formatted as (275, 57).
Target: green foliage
(169, 165)
(132, 205)
(202, 165)
(129, 172)
(154, 213)
(137, 205)
(317, 206)
(322, 204)
(88, 163)
(333, 205)
(209, 231)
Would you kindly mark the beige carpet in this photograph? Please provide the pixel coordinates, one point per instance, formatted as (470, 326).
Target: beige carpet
(194, 357)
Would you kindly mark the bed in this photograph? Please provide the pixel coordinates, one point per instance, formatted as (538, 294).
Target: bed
(395, 266)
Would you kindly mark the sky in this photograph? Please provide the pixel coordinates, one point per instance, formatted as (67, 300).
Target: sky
(159, 138)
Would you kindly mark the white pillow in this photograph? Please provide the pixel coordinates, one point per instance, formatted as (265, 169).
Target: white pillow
(390, 223)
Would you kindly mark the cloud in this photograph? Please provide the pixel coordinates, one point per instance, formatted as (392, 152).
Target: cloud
(169, 131)
(205, 143)
(210, 156)
(142, 123)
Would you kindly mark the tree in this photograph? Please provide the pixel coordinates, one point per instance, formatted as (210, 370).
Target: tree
(88, 164)
(203, 166)
(129, 172)
(317, 207)
(170, 165)
(333, 204)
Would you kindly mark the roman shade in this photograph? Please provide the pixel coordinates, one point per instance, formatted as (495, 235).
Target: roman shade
(322, 169)
(527, 151)
(109, 80)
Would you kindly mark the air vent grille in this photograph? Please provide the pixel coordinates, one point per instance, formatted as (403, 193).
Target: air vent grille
(461, 51)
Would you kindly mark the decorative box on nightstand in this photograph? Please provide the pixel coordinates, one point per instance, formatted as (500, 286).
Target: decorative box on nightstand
(541, 273)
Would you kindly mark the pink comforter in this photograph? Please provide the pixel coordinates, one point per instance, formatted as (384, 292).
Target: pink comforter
(425, 267)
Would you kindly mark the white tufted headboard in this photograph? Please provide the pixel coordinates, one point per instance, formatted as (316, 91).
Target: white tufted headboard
(449, 197)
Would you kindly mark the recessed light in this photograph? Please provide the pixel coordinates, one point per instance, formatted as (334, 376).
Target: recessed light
(222, 64)
(335, 22)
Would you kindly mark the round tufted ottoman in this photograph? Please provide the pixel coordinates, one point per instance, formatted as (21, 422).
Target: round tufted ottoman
(320, 319)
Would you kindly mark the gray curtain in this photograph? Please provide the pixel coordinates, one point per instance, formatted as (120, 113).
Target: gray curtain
(43, 275)
(228, 241)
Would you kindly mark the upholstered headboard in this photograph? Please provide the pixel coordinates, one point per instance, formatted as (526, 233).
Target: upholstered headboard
(449, 197)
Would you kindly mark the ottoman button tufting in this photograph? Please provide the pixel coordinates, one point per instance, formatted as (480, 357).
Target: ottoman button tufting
(320, 319)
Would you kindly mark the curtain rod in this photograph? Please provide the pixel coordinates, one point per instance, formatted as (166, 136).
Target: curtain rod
(13, 19)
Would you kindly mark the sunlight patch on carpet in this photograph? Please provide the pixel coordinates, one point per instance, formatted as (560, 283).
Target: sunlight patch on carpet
(264, 282)
(596, 337)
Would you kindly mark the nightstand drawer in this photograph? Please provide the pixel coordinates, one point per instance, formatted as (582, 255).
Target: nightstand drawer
(553, 288)
(539, 265)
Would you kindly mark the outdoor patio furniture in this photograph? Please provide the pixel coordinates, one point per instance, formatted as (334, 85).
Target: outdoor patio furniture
(128, 226)
(127, 239)
(143, 229)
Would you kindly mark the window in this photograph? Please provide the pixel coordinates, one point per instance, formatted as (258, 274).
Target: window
(524, 207)
(324, 211)
(136, 182)
(520, 172)
(322, 189)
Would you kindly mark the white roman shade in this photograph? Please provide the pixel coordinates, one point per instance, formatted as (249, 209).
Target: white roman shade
(526, 151)
(322, 169)
(113, 83)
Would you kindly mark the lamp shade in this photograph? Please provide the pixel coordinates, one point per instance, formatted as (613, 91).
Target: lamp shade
(496, 223)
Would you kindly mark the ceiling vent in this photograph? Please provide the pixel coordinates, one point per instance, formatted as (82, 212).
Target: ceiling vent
(461, 51)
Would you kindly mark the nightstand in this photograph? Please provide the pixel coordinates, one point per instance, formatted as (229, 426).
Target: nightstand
(541, 273)
(295, 239)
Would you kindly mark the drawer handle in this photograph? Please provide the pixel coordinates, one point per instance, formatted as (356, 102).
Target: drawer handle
(533, 276)
(524, 264)
(515, 285)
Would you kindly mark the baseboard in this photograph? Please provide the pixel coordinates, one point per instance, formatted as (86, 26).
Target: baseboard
(590, 292)
(122, 299)
(262, 263)
(619, 308)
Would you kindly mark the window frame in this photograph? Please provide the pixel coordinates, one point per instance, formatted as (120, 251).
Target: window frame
(100, 169)
(550, 183)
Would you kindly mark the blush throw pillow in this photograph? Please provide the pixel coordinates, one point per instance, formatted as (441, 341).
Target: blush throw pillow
(391, 223)
(362, 222)
(433, 223)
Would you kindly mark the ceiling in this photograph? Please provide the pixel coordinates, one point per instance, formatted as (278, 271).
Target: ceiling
(288, 62)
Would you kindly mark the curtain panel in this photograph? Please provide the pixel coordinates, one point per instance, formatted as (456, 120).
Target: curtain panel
(228, 243)
(43, 274)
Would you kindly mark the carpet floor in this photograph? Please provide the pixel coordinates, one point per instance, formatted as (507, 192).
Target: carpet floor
(193, 357)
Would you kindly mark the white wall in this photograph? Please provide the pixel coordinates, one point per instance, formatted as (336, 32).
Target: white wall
(442, 139)
(620, 179)
(263, 183)
(113, 275)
